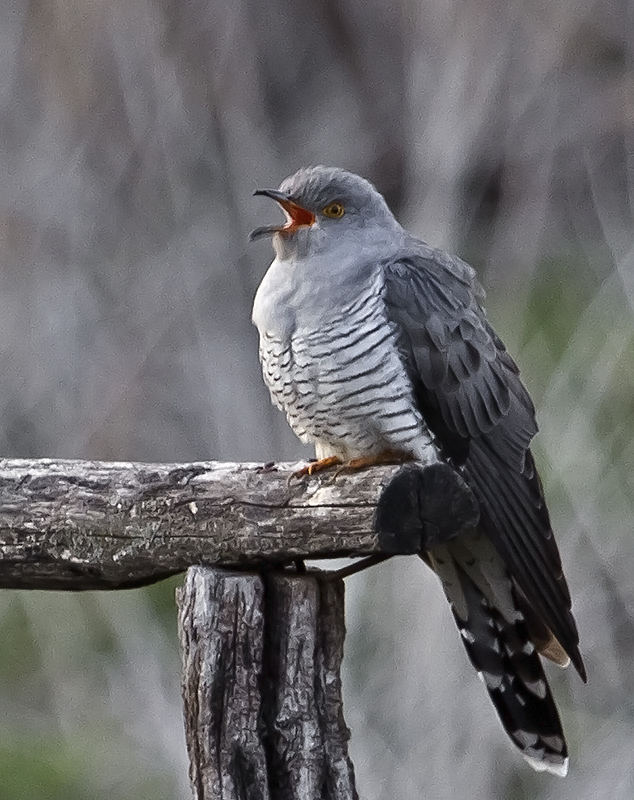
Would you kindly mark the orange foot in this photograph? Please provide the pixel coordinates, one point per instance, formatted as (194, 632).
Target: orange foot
(316, 466)
(385, 457)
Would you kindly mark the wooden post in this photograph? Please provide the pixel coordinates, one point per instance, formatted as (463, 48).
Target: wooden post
(262, 648)
(262, 687)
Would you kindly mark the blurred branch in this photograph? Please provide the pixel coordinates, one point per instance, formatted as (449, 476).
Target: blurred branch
(98, 525)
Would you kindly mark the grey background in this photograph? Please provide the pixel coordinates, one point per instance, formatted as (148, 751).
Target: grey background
(132, 134)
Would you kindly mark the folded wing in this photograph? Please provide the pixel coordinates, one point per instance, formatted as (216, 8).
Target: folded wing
(469, 391)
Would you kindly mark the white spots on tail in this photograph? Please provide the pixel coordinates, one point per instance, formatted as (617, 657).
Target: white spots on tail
(538, 688)
(540, 765)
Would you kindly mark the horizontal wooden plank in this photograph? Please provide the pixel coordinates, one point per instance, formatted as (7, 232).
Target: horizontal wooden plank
(98, 525)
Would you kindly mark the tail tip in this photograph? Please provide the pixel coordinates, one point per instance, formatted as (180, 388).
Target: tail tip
(552, 764)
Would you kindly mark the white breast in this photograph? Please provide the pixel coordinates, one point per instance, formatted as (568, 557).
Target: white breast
(342, 383)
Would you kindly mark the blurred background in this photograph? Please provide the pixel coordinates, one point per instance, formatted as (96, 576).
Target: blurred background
(132, 135)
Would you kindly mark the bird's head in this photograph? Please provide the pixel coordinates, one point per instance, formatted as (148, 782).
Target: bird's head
(326, 207)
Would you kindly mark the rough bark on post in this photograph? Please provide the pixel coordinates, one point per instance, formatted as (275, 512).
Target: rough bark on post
(221, 628)
(262, 688)
(303, 709)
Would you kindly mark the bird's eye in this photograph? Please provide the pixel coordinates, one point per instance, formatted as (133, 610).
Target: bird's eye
(334, 211)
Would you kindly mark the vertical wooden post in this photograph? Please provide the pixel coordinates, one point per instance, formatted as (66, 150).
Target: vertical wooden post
(261, 686)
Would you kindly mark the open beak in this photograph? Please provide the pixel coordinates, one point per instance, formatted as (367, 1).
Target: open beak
(296, 216)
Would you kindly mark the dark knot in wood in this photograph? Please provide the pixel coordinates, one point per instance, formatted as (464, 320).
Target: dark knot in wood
(422, 507)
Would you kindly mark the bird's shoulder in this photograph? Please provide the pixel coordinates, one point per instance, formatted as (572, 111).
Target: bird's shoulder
(432, 278)
(466, 383)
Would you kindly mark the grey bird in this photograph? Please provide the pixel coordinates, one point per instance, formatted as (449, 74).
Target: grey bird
(377, 348)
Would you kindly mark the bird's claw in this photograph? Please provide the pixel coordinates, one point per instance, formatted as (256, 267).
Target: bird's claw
(313, 467)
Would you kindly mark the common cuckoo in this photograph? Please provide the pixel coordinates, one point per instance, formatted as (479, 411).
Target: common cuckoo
(377, 348)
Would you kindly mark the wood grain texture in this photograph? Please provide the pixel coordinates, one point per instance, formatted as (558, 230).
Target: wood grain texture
(303, 710)
(221, 630)
(262, 687)
(96, 525)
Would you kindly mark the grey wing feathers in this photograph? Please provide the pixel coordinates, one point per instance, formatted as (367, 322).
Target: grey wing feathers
(455, 354)
(471, 396)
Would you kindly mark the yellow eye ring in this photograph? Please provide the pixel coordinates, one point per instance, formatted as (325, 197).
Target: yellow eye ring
(334, 211)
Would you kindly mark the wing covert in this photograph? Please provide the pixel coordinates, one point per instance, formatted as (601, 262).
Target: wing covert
(454, 355)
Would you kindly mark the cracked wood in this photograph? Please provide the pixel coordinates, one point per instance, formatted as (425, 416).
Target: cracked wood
(262, 686)
(96, 525)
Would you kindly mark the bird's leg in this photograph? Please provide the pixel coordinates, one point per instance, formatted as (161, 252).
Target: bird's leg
(316, 466)
(358, 566)
(385, 457)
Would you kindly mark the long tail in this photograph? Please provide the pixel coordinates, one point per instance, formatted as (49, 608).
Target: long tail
(489, 614)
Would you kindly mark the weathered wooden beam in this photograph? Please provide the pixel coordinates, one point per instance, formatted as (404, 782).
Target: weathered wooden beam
(95, 525)
(262, 687)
